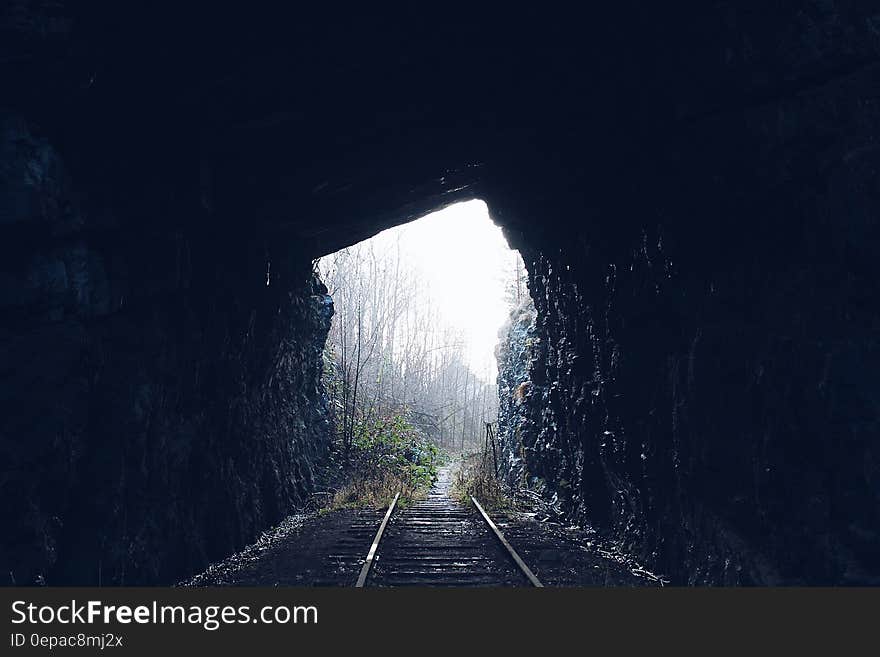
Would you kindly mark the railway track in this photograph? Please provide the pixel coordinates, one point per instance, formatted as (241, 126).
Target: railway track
(438, 542)
(434, 542)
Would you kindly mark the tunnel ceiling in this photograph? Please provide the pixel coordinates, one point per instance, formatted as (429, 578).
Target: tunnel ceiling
(304, 121)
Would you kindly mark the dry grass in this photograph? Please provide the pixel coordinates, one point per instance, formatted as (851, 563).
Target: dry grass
(376, 492)
(476, 476)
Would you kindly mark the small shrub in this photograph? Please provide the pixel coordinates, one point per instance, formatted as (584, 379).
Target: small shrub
(388, 455)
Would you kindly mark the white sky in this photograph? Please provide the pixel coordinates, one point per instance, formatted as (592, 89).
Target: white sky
(466, 262)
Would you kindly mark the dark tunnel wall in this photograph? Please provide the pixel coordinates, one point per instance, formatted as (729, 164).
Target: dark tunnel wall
(703, 371)
(693, 191)
(161, 398)
(703, 380)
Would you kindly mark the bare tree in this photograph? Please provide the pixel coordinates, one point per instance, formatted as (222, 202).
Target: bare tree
(391, 351)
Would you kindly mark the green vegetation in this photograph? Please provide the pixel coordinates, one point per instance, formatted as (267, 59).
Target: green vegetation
(387, 455)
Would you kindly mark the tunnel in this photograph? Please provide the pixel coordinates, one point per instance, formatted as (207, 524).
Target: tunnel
(693, 191)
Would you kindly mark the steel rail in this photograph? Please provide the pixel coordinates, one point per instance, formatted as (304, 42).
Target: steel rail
(362, 578)
(519, 562)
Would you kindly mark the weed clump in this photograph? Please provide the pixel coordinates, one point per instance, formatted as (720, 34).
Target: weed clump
(387, 455)
(476, 476)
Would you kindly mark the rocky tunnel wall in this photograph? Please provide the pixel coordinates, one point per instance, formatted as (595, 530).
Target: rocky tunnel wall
(160, 395)
(701, 379)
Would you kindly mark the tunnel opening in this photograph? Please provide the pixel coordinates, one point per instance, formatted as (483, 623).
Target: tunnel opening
(420, 321)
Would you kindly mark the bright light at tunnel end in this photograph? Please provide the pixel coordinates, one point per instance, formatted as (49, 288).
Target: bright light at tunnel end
(463, 256)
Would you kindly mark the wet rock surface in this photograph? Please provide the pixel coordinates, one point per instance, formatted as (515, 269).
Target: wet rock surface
(514, 354)
(716, 421)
